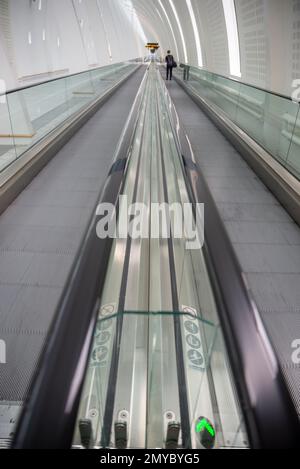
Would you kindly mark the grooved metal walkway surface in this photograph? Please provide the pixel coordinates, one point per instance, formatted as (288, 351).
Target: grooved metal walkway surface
(265, 238)
(40, 234)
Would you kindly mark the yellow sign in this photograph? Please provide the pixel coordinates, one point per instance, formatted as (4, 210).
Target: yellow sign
(152, 45)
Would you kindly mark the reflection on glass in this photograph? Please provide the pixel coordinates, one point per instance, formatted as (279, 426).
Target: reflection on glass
(28, 115)
(268, 118)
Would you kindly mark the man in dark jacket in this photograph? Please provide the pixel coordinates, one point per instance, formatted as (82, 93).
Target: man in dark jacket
(170, 65)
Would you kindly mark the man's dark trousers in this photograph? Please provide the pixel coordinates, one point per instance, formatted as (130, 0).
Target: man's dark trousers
(169, 72)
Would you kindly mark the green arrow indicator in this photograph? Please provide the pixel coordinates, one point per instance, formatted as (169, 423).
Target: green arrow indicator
(203, 424)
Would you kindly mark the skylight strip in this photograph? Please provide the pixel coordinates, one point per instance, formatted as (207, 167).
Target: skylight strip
(196, 32)
(233, 37)
(170, 25)
(180, 30)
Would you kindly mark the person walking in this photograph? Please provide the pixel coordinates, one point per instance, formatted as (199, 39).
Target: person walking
(170, 65)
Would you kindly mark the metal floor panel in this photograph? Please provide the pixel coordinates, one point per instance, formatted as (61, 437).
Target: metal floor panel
(40, 234)
(265, 238)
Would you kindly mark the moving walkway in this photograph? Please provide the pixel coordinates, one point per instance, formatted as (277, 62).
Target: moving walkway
(155, 344)
(47, 196)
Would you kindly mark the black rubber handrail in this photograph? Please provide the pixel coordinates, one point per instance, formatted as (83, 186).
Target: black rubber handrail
(49, 415)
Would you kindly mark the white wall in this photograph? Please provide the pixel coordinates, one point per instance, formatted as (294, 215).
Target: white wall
(52, 37)
(270, 42)
(214, 36)
(291, 38)
(6, 73)
(7, 58)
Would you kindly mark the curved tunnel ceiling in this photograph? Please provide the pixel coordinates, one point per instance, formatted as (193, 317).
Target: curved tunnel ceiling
(165, 19)
(257, 41)
(177, 25)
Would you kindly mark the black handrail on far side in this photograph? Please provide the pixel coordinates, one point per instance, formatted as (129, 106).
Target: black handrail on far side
(49, 415)
(270, 415)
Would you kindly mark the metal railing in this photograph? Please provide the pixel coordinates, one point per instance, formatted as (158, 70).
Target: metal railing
(270, 119)
(29, 114)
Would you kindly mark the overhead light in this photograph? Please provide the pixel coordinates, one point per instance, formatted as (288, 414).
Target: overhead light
(233, 37)
(196, 32)
(40, 5)
(29, 38)
(180, 30)
(58, 42)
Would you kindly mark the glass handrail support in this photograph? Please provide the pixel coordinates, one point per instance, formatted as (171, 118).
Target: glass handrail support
(42, 99)
(29, 114)
(158, 380)
(271, 120)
